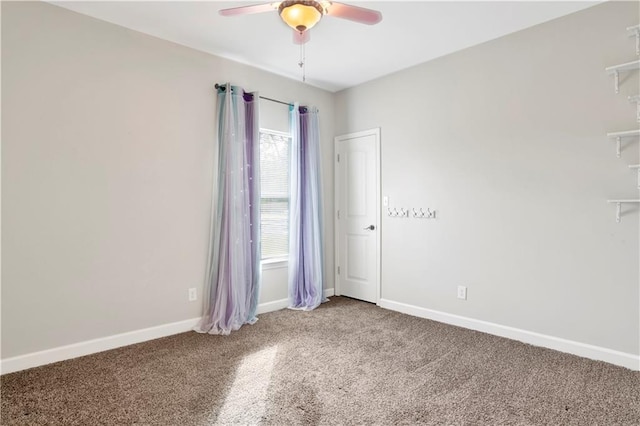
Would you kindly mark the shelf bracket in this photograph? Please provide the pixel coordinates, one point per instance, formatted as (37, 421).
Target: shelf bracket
(636, 99)
(616, 69)
(618, 204)
(637, 167)
(618, 137)
(635, 32)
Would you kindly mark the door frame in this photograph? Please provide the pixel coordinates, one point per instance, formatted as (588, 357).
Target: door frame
(378, 190)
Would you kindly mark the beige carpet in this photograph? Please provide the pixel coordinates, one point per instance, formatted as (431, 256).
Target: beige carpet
(347, 362)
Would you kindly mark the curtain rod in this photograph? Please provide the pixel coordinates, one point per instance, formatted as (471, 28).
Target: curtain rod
(218, 86)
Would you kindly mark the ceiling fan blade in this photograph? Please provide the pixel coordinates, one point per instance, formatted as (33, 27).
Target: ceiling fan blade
(247, 10)
(354, 13)
(301, 37)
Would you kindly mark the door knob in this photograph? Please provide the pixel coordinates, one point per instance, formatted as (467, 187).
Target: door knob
(370, 228)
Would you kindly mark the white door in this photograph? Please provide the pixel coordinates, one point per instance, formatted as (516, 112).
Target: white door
(357, 189)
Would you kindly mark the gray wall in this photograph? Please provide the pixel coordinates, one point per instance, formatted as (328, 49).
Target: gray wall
(107, 162)
(107, 166)
(507, 142)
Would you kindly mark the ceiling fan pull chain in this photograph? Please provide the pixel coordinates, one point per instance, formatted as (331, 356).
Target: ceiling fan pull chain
(302, 64)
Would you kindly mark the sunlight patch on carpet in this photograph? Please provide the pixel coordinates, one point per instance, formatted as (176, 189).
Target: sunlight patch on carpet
(246, 400)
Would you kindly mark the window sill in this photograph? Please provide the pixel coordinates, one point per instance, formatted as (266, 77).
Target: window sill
(274, 263)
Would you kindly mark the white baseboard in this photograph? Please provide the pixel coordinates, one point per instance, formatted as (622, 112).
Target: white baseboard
(35, 359)
(75, 350)
(598, 353)
(276, 305)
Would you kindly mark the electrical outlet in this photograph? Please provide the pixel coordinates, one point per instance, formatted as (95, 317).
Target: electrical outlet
(462, 292)
(193, 296)
(385, 201)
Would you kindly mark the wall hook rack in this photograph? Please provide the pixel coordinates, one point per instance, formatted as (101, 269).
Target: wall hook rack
(424, 214)
(394, 212)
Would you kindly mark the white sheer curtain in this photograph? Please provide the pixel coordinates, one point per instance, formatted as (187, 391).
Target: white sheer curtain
(233, 273)
(306, 261)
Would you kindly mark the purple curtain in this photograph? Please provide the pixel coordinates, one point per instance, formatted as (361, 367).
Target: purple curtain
(306, 262)
(233, 272)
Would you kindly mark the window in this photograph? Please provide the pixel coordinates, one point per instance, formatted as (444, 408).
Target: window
(274, 194)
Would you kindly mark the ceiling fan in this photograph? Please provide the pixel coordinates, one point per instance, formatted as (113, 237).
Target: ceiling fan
(302, 15)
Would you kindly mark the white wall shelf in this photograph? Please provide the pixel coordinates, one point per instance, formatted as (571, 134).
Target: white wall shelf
(619, 204)
(617, 69)
(634, 31)
(618, 137)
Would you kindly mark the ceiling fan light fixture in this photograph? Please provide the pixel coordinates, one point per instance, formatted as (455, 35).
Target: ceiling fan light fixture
(301, 15)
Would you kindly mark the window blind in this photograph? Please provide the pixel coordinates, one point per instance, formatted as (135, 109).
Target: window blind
(274, 195)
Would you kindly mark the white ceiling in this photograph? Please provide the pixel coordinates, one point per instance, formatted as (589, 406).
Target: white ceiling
(341, 53)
